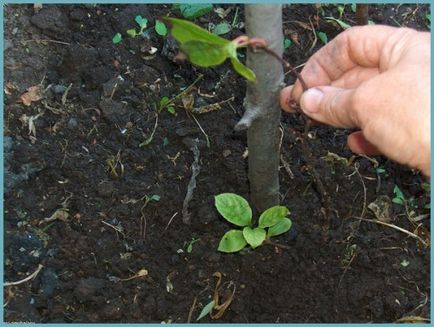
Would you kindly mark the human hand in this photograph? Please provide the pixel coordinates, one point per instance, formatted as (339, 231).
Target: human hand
(376, 79)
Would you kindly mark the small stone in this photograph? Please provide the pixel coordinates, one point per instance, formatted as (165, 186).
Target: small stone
(58, 89)
(72, 123)
(226, 153)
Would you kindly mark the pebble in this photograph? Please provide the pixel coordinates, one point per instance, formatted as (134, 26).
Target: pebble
(72, 123)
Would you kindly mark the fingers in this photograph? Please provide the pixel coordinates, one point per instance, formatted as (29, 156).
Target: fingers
(333, 106)
(285, 99)
(360, 145)
(368, 47)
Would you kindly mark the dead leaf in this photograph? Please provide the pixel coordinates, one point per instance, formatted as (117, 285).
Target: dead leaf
(9, 88)
(221, 12)
(188, 101)
(221, 308)
(140, 273)
(53, 129)
(33, 94)
(60, 214)
(294, 37)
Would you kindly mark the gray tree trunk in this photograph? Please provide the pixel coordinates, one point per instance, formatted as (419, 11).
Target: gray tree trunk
(262, 116)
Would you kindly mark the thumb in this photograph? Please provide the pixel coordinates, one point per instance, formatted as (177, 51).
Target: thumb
(331, 105)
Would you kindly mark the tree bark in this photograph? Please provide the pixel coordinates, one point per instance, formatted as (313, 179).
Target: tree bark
(362, 14)
(262, 115)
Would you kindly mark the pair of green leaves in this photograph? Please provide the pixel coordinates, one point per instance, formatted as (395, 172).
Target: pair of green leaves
(206, 49)
(160, 28)
(237, 211)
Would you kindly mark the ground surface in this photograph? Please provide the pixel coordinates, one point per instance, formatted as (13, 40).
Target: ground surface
(74, 155)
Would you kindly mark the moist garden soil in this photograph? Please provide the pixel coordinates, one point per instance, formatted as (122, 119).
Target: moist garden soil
(95, 180)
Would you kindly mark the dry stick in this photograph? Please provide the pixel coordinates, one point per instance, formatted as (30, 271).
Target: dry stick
(395, 227)
(33, 275)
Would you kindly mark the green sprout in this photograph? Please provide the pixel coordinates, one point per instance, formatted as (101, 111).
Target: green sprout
(188, 246)
(142, 22)
(160, 29)
(236, 210)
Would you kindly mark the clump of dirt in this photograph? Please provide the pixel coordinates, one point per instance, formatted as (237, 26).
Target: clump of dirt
(96, 176)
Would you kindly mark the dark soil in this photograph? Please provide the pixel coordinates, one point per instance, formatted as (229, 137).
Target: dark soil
(82, 160)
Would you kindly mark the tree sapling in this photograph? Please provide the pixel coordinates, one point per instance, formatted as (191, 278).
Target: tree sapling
(236, 210)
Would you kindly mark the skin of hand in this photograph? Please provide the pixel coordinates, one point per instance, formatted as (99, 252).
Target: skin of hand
(375, 79)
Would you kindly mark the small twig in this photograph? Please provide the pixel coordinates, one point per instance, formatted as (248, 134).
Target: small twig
(33, 275)
(149, 139)
(170, 221)
(51, 41)
(190, 313)
(315, 40)
(269, 242)
(395, 227)
(117, 229)
(356, 168)
(203, 132)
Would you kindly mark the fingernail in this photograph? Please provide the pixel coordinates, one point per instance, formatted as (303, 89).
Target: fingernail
(311, 100)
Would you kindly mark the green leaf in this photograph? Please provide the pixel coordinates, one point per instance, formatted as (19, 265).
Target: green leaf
(206, 310)
(164, 101)
(281, 227)
(117, 38)
(380, 171)
(132, 32)
(353, 7)
(232, 241)
(244, 71)
(155, 197)
(184, 31)
(398, 200)
(160, 28)
(404, 263)
(272, 216)
(339, 22)
(192, 11)
(398, 193)
(254, 237)
(323, 37)
(142, 22)
(204, 54)
(371, 22)
(286, 43)
(234, 208)
(171, 110)
(222, 28)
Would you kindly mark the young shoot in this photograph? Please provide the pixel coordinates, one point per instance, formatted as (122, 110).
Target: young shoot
(236, 210)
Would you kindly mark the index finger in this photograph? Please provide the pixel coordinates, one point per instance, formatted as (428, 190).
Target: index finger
(361, 46)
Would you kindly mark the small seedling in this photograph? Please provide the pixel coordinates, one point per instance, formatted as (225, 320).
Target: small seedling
(399, 196)
(166, 103)
(236, 210)
(286, 43)
(142, 22)
(404, 263)
(188, 246)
